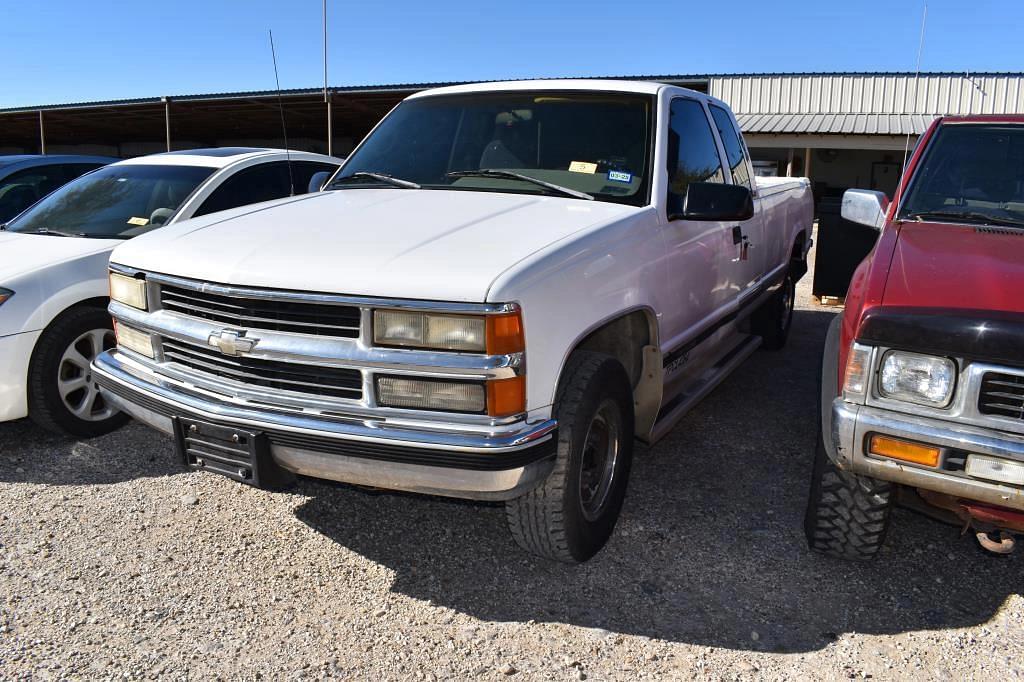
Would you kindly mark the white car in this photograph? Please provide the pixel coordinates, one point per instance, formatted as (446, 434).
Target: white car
(503, 285)
(53, 269)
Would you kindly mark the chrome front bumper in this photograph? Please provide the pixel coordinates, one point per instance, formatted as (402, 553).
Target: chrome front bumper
(499, 464)
(851, 426)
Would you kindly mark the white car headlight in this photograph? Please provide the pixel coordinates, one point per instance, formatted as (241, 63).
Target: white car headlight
(429, 330)
(915, 378)
(5, 294)
(128, 290)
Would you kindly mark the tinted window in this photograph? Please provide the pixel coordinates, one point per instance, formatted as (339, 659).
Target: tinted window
(970, 174)
(733, 143)
(23, 188)
(115, 201)
(598, 143)
(264, 182)
(692, 152)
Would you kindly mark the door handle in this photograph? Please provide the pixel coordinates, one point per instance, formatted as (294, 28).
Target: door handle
(737, 234)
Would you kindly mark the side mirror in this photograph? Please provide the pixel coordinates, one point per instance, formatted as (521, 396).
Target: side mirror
(716, 201)
(316, 182)
(865, 207)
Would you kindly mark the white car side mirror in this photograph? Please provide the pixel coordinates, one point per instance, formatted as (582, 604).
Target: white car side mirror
(865, 207)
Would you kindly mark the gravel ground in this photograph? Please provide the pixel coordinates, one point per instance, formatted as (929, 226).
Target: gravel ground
(116, 563)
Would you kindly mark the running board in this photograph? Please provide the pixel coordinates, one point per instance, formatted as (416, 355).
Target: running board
(684, 402)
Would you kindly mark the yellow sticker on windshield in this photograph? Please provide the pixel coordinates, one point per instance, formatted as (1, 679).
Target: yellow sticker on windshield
(582, 167)
(138, 221)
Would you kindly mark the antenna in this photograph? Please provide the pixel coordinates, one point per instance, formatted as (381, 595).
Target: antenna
(327, 99)
(280, 106)
(917, 78)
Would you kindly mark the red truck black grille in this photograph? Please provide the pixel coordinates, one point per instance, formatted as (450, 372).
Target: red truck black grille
(1002, 395)
(317, 319)
(335, 382)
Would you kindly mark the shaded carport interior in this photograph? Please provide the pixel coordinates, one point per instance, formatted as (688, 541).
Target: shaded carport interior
(127, 128)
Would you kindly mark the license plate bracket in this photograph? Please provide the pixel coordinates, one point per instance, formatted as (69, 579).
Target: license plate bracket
(237, 453)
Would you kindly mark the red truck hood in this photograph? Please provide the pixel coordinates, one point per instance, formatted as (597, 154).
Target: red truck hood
(954, 266)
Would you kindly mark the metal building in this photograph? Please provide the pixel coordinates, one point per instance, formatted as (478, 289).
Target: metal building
(841, 129)
(852, 129)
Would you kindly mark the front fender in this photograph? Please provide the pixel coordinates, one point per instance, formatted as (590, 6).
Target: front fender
(40, 296)
(578, 284)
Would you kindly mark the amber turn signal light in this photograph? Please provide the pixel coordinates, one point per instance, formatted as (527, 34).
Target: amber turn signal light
(506, 397)
(505, 334)
(907, 451)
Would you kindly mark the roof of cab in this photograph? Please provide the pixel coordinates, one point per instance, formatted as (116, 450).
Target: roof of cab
(582, 84)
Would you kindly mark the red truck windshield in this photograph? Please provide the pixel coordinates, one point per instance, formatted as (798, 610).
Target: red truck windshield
(970, 174)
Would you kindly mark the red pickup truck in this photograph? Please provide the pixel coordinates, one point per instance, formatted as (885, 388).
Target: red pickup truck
(922, 398)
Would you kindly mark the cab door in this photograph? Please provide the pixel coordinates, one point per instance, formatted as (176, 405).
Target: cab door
(753, 248)
(702, 272)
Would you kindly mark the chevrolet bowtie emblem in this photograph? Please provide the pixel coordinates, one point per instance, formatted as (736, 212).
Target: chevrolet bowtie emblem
(231, 342)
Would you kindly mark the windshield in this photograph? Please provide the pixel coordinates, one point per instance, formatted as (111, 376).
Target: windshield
(592, 143)
(113, 202)
(970, 174)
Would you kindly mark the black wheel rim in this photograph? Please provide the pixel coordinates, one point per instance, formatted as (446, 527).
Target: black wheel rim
(599, 460)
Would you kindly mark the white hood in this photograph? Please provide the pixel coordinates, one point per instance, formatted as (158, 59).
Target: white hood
(32, 253)
(426, 244)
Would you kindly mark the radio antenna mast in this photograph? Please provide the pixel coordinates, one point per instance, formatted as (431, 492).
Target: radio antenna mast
(284, 129)
(917, 79)
(327, 100)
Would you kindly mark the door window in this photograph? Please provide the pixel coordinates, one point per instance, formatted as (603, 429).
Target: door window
(692, 152)
(264, 182)
(734, 148)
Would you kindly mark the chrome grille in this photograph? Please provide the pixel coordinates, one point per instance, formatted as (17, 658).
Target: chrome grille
(316, 319)
(1002, 395)
(334, 382)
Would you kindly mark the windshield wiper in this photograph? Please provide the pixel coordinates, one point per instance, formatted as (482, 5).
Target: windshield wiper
(380, 177)
(971, 217)
(510, 175)
(55, 233)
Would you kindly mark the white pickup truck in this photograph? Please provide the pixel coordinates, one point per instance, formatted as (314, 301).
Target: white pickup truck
(504, 286)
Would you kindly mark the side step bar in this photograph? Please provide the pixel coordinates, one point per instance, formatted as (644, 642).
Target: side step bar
(716, 374)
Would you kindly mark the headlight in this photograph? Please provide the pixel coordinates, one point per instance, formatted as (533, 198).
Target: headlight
(494, 334)
(5, 294)
(919, 379)
(447, 396)
(133, 339)
(128, 290)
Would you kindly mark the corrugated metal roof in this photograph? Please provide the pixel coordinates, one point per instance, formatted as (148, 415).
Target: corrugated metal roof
(307, 92)
(874, 104)
(837, 124)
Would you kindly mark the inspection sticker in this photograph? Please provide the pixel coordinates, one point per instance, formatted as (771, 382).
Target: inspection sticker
(619, 176)
(138, 221)
(583, 167)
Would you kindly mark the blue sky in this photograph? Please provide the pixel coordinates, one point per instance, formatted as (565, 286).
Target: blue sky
(56, 51)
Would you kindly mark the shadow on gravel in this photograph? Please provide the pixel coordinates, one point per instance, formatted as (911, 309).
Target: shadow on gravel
(710, 548)
(29, 454)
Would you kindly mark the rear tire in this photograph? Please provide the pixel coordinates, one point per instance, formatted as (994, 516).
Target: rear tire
(773, 320)
(62, 396)
(571, 515)
(847, 515)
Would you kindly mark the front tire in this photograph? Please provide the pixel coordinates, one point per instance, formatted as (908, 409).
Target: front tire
(571, 515)
(62, 396)
(848, 515)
